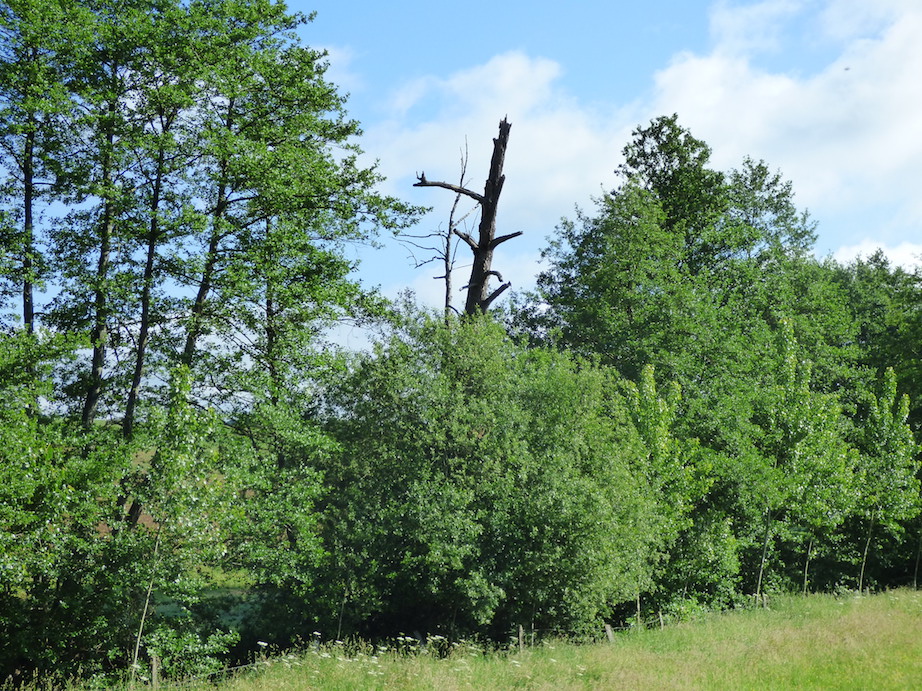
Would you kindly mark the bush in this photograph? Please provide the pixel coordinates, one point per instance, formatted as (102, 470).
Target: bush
(480, 486)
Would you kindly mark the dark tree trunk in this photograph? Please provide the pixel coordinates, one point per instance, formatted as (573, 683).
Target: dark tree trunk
(479, 296)
(100, 334)
(197, 315)
(153, 239)
(28, 175)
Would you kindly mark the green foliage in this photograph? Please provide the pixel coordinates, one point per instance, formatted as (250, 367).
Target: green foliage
(668, 161)
(670, 465)
(694, 544)
(808, 477)
(695, 416)
(690, 270)
(884, 302)
(482, 485)
(273, 532)
(192, 181)
(185, 655)
(889, 457)
(56, 494)
(888, 479)
(698, 273)
(66, 536)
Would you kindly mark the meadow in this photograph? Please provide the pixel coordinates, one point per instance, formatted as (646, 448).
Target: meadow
(816, 642)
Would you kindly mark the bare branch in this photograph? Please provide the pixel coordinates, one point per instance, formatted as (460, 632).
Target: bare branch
(471, 242)
(503, 238)
(423, 182)
(451, 249)
(486, 241)
(485, 305)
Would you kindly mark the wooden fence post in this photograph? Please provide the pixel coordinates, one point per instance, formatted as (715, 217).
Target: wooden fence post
(155, 670)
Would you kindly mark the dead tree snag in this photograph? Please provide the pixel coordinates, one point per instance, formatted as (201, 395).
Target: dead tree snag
(479, 296)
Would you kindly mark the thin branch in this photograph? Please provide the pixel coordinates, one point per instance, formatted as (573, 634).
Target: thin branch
(485, 305)
(471, 242)
(150, 588)
(423, 182)
(450, 250)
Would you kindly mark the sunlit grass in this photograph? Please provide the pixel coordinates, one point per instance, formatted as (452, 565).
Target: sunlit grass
(818, 642)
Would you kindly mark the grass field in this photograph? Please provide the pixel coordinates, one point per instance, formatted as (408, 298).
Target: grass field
(816, 642)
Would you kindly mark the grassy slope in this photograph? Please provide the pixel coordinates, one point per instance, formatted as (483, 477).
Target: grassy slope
(818, 642)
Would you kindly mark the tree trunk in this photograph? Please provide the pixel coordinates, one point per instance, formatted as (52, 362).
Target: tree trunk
(478, 287)
(768, 529)
(153, 238)
(807, 564)
(639, 618)
(915, 573)
(28, 245)
(100, 333)
(448, 259)
(194, 330)
(479, 296)
(272, 332)
(867, 547)
(28, 182)
(211, 258)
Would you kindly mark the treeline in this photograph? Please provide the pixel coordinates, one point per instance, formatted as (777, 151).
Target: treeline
(688, 410)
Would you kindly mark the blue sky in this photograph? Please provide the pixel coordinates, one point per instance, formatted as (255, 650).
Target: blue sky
(826, 91)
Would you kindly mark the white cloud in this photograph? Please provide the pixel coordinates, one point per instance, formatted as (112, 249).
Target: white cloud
(339, 71)
(851, 19)
(560, 152)
(752, 27)
(907, 254)
(848, 135)
(845, 128)
(410, 94)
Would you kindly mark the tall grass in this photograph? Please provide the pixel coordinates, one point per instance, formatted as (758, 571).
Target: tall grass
(816, 642)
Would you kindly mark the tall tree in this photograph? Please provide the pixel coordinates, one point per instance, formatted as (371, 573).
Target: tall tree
(888, 486)
(690, 270)
(280, 191)
(163, 148)
(695, 271)
(94, 244)
(208, 140)
(665, 159)
(807, 482)
(210, 180)
(33, 102)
